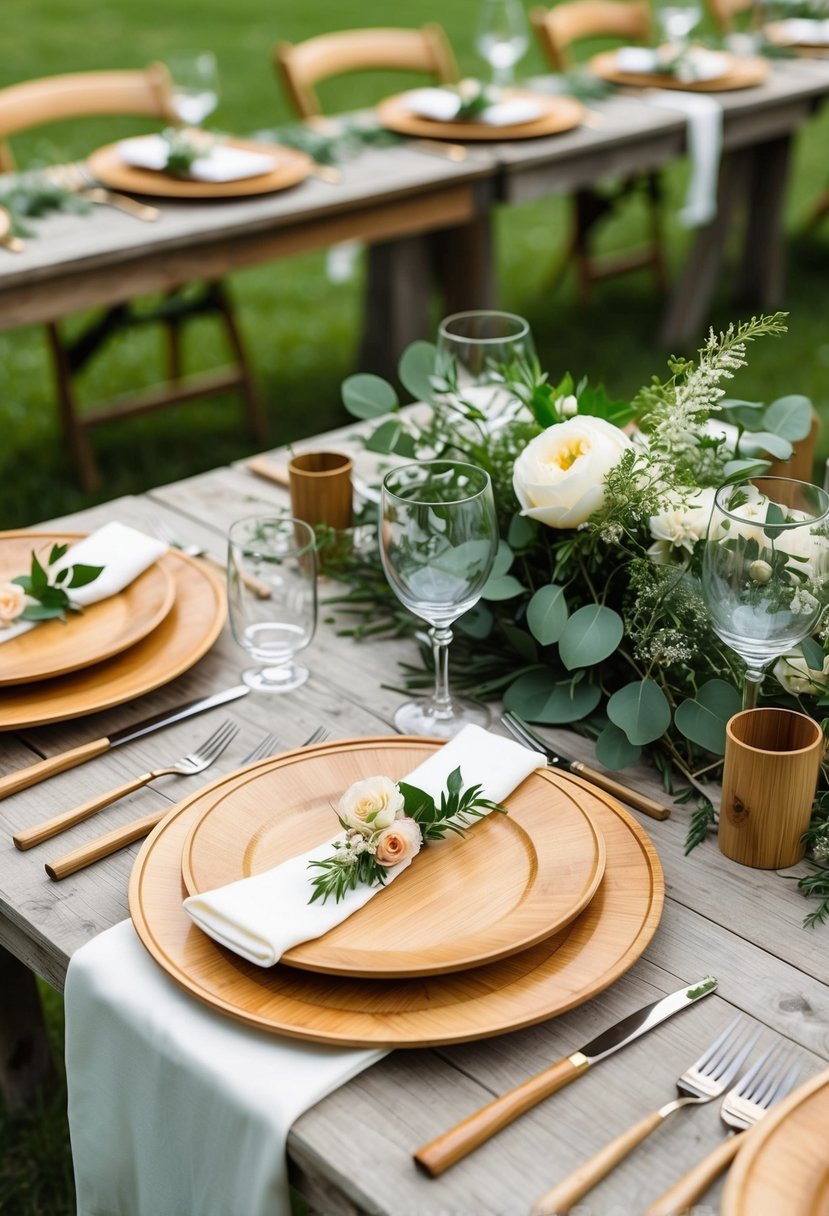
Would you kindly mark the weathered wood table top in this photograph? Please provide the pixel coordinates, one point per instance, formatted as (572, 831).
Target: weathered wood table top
(352, 1152)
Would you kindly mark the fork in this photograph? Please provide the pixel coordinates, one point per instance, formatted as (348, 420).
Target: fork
(110, 842)
(164, 532)
(741, 1108)
(194, 762)
(706, 1079)
(78, 179)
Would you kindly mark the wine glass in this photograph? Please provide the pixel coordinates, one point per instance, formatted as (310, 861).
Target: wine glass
(502, 37)
(472, 347)
(765, 573)
(272, 597)
(195, 85)
(676, 21)
(438, 539)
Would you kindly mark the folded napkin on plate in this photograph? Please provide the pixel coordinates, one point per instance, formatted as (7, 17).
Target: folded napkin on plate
(803, 29)
(262, 917)
(123, 552)
(442, 105)
(222, 164)
(696, 64)
(704, 139)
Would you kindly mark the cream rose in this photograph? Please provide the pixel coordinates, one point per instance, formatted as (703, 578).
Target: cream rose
(371, 804)
(559, 477)
(12, 598)
(684, 523)
(799, 679)
(399, 843)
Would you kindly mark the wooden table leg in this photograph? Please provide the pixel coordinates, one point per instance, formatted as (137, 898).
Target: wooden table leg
(25, 1059)
(397, 306)
(464, 265)
(760, 282)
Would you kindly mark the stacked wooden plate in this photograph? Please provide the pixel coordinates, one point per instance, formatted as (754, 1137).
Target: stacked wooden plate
(123, 647)
(525, 916)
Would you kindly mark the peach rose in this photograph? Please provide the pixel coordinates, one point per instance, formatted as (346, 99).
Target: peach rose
(398, 843)
(12, 599)
(371, 805)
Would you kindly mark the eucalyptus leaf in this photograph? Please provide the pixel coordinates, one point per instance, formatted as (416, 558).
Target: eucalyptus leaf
(521, 642)
(747, 414)
(739, 470)
(385, 437)
(368, 396)
(503, 559)
(758, 442)
(477, 622)
(775, 521)
(641, 711)
(416, 368)
(590, 635)
(703, 718)
(537, 696)
(813, 653)
(614, 749)
(503, 587)
(789, 417)
(547, 613)
(522, 531)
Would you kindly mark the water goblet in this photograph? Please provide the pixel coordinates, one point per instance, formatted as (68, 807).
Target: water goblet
(438, 540)
(473, 348)
(195, 85)
(502, 37)
(279, 552)
(765, 573)
(676, 21)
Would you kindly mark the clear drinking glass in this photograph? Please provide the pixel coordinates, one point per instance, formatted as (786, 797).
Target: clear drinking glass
(765, 573)
(676, 21)
(472, 346)
(272, 597)
(438, 539)
(195, 85)
(502, 37)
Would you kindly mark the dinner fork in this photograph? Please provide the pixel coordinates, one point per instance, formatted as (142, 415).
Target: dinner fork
(765, 1083)
(706, 1079)
(164, 532)
(194, 762)
(78, 179)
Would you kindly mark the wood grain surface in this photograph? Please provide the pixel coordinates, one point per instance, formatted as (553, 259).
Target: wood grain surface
(740, 74)
(290, 168)
(557, 114)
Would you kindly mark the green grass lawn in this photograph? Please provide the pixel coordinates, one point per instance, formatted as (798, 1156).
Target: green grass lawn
(303, 331)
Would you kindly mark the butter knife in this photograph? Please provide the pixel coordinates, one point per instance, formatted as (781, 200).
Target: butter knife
(473, 1131)
(34, 773)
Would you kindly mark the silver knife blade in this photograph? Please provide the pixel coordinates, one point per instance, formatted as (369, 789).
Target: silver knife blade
(169, 716)
(644, 1019)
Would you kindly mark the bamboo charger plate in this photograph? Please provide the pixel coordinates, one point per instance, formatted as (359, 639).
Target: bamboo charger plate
(510, 882)
(102, 630)
(183, 637)
(557, 974)
(739, 74)
(290, 168)
(783, 1169)
(557, 114)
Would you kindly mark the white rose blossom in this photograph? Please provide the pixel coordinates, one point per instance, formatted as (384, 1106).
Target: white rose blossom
(12, 602)
(559, 477)
(371, 804)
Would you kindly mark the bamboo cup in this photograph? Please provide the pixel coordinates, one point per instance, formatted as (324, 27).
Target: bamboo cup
(320, 484)
(772, 760)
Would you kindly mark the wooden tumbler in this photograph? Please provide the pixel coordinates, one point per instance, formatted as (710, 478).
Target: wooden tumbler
(772, 760)
(320, 484)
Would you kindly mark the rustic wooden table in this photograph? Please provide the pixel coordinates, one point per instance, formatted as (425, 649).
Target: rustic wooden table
(352, 1152)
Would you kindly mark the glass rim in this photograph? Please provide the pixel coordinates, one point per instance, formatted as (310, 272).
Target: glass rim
(522, 325)
(798, 523)
(434, 464)
(249, 549)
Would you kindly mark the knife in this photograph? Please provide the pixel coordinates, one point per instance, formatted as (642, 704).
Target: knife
(640, 802)
(461, 1139)
(21, 780)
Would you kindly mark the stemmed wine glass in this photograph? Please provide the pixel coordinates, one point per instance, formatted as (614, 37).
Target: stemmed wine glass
(765, 573)
(438, 540)
(195, 85)
(272, 597)
(502, 37)
(675, 21)
(472, 347)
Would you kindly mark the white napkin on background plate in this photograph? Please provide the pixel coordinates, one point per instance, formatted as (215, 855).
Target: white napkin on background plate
(222, 164)
(123, 552)
(262, 917)
(442, 105)
(704, 139)
(802, 29)
(698, 63)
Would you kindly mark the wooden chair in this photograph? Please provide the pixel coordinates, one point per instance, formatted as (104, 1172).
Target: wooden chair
(723, 12)
(557, 29)
(147, 93)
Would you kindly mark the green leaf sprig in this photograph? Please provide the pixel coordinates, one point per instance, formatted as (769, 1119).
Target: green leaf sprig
(52, 594)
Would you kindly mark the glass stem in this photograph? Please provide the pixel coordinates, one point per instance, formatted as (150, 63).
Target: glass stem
(751, 686)
(440, 639)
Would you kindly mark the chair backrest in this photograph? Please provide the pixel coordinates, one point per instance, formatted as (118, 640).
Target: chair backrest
(82, 94)
(557, 28)
(302, 65)
(723, 11)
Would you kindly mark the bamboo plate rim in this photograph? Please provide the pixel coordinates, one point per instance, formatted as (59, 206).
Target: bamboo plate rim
(562, 114)
(739, 1197)
(144, 667)
(225, 844)
(292, 168)
(743, 74)
(138, 625)
(606, 940)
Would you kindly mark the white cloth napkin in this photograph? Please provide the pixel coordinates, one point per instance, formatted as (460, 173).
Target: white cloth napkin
(442, 105)
(704, 138)
(123, 552)
(222, 164)
(696, 64)
(262, 917)
(803, 29)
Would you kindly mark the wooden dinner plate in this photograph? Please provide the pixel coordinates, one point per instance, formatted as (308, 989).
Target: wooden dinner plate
(183, 637)
(741, 74)
(92, 636)
(557, 114)
(783, 1168)
(775, 31)
(291, 168)
(557, 974)
(511, 881)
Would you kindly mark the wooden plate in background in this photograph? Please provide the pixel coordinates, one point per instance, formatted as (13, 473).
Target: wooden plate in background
(741, 74)
(557, 114)
(291, 167)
